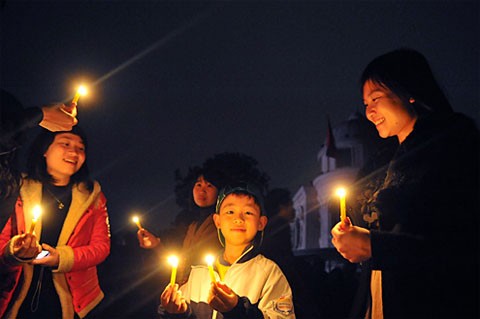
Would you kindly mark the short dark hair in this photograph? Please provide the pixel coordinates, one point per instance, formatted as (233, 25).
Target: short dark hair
(242, 189)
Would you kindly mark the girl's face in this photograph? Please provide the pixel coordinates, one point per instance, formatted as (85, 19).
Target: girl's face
(239, 219)
(64, 157)
(387, 111)
(204, 193)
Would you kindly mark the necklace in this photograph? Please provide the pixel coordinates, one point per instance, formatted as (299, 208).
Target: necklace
(59, 202)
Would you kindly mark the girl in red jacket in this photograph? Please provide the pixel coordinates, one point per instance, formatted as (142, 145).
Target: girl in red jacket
(73, 230)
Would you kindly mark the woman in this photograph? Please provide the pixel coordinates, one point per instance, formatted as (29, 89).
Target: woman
(194, 228)
(14, 122)
(73, 229)
(424, 253)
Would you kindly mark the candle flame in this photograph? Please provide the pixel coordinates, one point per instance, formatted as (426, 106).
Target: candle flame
(173, 261)
(209, 259)
(82, 90)
(135, 219)
(341, 192)
(37, 211)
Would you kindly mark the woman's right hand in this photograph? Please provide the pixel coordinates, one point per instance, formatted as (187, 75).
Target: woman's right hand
(146, 239)
(26, 246)
(352, 242)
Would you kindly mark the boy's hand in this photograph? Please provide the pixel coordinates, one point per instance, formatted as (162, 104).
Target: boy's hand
(172, 300)
(221, 297)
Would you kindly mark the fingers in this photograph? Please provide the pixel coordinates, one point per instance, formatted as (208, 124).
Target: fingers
(221, 297)
(345, 224)
(48, 247)
(172, 300)
(221, 286)
(70, 108)
(26, 246)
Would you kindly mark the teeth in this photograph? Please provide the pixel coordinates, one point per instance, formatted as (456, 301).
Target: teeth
(70, 161)
(380, 121)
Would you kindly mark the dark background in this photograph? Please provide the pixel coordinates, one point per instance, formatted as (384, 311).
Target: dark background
(173, 83)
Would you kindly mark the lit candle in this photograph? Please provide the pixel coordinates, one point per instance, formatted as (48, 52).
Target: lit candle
(341, 192)
(136, 220)
(82, 90)
(210, 259)
(173, 261)
(37, 211)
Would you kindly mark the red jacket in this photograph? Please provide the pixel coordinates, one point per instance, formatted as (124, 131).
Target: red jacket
(83, 243)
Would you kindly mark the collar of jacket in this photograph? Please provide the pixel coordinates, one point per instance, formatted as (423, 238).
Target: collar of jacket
(249, 253)
(31, 194)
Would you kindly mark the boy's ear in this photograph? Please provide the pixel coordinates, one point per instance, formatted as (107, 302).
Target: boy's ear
(262, 222)
(216, 220)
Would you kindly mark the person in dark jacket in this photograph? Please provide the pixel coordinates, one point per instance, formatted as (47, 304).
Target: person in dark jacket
(423, 247)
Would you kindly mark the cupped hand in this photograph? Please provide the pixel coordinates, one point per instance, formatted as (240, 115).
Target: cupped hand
(26, 246)
(221, 297)
(146, 239)
(352, 242)
(52, 260)
(172, 300)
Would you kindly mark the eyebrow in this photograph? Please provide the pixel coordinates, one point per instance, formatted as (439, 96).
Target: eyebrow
(375, 91)
(253, 206)
(60, 138)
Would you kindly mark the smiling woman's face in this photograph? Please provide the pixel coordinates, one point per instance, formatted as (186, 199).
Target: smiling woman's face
(204, 192)
(64, 157)
(387, 111)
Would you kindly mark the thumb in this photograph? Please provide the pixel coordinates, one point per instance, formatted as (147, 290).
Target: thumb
(345, 224)
(48, 247)
(70, 109)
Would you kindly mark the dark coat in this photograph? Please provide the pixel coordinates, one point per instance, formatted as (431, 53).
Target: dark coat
(427, 242)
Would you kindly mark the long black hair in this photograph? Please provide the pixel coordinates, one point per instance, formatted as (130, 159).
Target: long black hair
(407, 74)
(11, 138)
(37, 165)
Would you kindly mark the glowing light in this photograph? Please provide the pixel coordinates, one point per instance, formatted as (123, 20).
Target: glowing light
(36, 212)
(81, 91)
(173, 261)
(209, 259)
(342, 193)
(136, 220)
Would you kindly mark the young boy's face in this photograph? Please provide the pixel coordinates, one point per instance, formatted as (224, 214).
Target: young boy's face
(239, 219)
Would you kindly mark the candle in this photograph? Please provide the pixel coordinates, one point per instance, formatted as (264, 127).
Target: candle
(210, 259)
(173, 261)
(82, 90)
(37, 211)
(136, 220)
(341, 192)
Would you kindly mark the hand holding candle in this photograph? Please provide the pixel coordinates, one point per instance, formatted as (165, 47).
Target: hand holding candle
(209, 260)
(136, 220)
(341, 192)
(37, 211)
(82, 90)
(173, 261)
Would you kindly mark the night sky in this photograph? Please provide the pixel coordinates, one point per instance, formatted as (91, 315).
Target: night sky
(173, 83)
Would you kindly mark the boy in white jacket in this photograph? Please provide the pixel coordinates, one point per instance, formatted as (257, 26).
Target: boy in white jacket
(250, 286)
